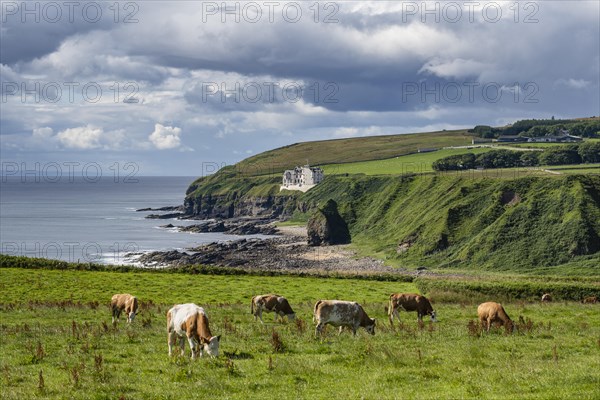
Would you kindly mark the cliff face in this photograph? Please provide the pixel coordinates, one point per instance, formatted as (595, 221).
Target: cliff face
(435, 220)
(227, 206)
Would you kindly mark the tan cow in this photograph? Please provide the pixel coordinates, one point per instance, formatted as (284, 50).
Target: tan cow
(590, 300)
(341, 313)
(189, 320)
(409, 302)
(493, 313)
(546, 298)
(120, 302)
(271, 303)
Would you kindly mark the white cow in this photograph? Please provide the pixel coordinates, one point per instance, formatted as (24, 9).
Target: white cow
(342, 313)
(189, 320)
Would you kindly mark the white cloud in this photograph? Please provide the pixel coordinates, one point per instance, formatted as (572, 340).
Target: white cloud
(43, 133)
(165, 137)
(574, 83)
(457, 68)
(83, 137)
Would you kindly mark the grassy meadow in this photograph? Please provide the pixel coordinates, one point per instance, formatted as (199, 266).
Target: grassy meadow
(57, 342)
(417, 163)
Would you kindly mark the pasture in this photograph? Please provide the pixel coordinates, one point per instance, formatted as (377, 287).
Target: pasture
(416, 163)
(57, 342)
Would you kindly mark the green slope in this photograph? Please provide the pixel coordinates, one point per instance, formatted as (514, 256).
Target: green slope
(349, 150)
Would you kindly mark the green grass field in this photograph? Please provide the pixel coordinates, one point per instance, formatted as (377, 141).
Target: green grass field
(575, 169)
(57, 342)
(413, 163)
(348, 150)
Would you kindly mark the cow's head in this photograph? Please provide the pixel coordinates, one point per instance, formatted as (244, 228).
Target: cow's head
(211, 346)
(291, 317)
(131, 316)
(370, 327)
(432, 315)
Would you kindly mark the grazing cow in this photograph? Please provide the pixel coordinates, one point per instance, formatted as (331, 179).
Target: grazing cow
(341, 313)
(546, 298)
(271, 303)
(493, 313)
(590, 300)
(191, 321)
(409, 302)
(120, 302)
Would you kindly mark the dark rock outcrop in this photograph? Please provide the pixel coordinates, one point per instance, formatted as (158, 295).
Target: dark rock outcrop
(167, 208)
(326, 226)
(232, 227)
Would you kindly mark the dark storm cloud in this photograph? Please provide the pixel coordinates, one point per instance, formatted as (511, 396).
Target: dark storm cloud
(377, 70)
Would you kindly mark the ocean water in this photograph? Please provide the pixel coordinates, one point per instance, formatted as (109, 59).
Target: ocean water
(92, 221)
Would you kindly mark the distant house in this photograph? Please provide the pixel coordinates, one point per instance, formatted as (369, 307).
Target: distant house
(562, 136)
(302, 178)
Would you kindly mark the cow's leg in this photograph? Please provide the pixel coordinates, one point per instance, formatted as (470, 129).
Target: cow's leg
(116, 314)
(260, 315)
(171, 338)
(419, 317)
(182, 345)
(354, 329)
(396, 313)
(192, 347)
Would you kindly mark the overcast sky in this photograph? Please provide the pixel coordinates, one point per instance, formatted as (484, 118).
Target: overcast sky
(171, 85)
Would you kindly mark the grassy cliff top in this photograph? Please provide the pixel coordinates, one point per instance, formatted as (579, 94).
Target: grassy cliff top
(349, 150)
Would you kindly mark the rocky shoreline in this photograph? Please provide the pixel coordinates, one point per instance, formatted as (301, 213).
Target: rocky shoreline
(286, 249)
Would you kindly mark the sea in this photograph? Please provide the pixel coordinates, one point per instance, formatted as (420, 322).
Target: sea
(84, 220)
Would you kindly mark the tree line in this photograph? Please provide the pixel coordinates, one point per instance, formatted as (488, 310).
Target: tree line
(586, 152)
(541, 127)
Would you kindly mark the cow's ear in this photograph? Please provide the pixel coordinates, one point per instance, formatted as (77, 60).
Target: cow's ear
(219, 338)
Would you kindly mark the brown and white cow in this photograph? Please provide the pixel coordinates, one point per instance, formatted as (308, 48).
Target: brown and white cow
(189, 320)
(271, 303)
(409, 302)
(120, 302)
(546, 298)
(493, 313)
(590, 300)
(341, 313)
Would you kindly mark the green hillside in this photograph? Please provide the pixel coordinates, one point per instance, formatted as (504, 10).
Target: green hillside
(349, 150)
(399, 210)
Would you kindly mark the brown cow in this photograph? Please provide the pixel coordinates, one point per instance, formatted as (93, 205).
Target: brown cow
(271, 303)
(120, 302)
(546, 298)
(191, 321)
(590, 300)
(409, 302)
(493, 313)
(342, 313)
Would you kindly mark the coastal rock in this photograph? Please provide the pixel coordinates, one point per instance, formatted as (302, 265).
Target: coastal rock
(167, 208)
(327, 227)
(233, 227)
(178, 215)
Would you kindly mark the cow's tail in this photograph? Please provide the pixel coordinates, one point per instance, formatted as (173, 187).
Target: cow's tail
(252, 305)
(315, 310)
